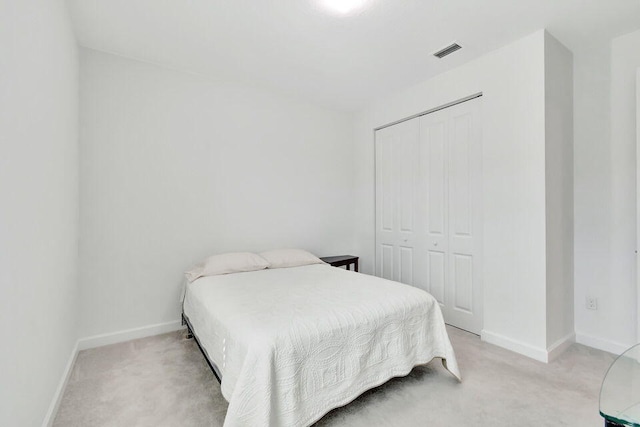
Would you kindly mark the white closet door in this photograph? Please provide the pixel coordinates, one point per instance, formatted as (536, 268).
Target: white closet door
(433, 205)
(395, 201)
(428, 209)
(451, 167)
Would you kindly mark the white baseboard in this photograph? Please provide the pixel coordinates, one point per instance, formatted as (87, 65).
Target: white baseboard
(602, 343)
(99, 341)
(525, 349)
(57, 397)
(539, 354)
(560, 346)
(128, 335)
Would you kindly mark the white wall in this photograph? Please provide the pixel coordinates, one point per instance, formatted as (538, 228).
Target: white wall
(38, 205)
(559, 191)
(512, 80)
(176, 167)
(605, 188)
(625, 59)
(592, 186)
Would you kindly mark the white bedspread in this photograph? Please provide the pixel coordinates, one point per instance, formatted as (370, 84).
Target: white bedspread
(294, 343)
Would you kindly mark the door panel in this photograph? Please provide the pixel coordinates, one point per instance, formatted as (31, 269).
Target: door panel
(395, 201)
(433, 134)
(464, 289)
(460, 177)
(463, 282)
(433, 179)
(406, 265)
(436, 275)
(386, 261)
(385, 182)
(406, 146)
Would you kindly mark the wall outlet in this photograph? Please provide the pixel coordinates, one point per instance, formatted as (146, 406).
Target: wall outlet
(592, 303)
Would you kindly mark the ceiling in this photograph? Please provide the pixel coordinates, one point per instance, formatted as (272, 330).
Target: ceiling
(341, 61)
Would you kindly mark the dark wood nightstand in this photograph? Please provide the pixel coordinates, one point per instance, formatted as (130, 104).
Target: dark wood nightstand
(340, 260)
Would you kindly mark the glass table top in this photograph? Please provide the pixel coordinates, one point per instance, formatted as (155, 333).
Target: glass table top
(620, 392)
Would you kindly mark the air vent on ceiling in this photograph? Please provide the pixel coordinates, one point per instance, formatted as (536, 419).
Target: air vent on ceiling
(447, 50)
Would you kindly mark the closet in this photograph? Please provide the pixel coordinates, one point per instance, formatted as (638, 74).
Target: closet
(429, 208)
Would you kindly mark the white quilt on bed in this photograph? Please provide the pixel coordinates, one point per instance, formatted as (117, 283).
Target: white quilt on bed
(294, 343)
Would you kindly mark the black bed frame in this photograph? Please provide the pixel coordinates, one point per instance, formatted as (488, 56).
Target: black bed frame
(191, 334)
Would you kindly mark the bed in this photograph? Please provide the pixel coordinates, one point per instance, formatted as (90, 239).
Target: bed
(290, 344)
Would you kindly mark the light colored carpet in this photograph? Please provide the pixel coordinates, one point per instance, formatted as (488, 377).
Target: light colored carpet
(165, 381)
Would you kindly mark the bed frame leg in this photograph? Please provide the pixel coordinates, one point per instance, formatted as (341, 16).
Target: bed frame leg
(189, 333)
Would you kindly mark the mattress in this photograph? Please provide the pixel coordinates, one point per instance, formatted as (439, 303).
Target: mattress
(293, 343)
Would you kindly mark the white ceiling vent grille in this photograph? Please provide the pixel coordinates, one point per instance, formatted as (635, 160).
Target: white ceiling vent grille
(447, 50)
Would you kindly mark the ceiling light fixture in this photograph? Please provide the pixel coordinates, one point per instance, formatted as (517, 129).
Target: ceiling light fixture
(343, 7)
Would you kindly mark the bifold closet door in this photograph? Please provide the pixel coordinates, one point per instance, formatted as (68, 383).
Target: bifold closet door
(428, 209)
(450, 175)
(396, 160)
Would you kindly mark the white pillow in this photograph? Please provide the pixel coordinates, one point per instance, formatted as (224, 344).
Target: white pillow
(227, 263)
(281, 258)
